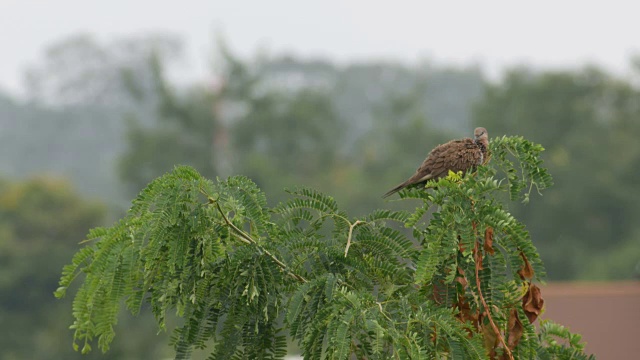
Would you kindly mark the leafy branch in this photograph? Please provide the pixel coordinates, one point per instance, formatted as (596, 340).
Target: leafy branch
(244, 237)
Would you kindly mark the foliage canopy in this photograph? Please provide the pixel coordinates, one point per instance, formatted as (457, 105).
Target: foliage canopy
(242, 274)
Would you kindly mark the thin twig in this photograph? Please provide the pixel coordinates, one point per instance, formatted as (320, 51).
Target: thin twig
(382, 311)
(351, 226)
(245, 238)
(484, 303)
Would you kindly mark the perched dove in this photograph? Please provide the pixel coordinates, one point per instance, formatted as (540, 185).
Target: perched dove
(456, 155)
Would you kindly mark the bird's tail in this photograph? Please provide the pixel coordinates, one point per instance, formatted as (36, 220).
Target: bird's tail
(396, 189)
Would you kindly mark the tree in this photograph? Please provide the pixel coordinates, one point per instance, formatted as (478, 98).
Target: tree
(278, 137)
(241, 273)
(74, 123)
(41, 220)
(183, 133)
(79, 70)
(287, 138)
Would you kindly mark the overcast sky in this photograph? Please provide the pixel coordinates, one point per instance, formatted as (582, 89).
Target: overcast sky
(491, 33)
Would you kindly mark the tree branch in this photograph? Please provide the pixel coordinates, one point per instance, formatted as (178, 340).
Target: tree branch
(477, 259)
(245, 238)
(351, 226)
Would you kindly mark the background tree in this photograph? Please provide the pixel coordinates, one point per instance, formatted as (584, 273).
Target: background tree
(80, 70)
(73, 124)
(183, 133)
(277, 137)
(41, 221)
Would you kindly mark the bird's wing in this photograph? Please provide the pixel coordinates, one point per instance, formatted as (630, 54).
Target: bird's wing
(456, 155)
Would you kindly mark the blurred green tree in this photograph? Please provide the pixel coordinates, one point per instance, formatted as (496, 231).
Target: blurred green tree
(588, 121)
(181, 132)
(73, 124)
(279, 137)
(80, 70)
(41, 221)
(285, 139)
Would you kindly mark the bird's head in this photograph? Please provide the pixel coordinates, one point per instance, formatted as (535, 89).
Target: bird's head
(480, 133)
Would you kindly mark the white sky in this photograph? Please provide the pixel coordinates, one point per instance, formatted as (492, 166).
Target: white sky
(491, 33)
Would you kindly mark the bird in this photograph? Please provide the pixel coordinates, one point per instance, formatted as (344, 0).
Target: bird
(456, 155)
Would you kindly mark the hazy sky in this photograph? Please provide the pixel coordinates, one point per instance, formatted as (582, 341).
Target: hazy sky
(492, 33)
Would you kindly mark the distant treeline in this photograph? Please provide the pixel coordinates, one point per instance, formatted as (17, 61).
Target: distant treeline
(107, 116)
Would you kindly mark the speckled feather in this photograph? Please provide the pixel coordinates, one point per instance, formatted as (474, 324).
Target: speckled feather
(456, 155)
